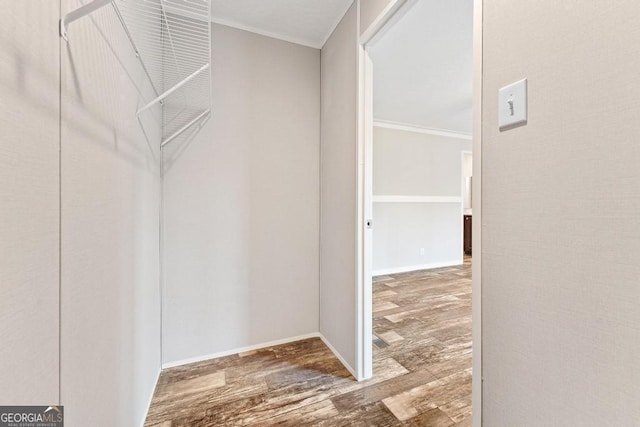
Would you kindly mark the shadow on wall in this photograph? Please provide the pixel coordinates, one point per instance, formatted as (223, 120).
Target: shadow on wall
(96, 109)
(82, 108)
(23, 75)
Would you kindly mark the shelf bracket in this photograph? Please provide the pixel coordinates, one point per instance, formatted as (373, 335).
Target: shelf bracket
(79, 13)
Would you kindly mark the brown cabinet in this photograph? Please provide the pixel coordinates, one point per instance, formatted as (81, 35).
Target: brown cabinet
(467, 234)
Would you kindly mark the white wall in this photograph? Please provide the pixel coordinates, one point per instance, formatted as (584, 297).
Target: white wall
(29, 194)
(110, 304)
(417, 164)
(402, 229)
(422, 167)
(338, 187)
(241, 204)
(560, 224)
(90, 188)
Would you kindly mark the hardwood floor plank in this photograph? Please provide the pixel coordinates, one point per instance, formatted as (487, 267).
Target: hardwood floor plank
(391, 337)
(422, 378)
(376, 392)
(433, 395)
(375, 414)
(458, 409)
(383, 306)
(312, 414)
(432, 418)
(384, 294)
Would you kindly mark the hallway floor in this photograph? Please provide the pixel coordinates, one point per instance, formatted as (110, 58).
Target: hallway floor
(421, 378)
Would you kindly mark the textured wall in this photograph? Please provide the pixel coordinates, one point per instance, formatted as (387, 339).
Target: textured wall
(29, 199)
(560, 203)
(241, 204)
(79, 219)
(110, 220)
(338, 187)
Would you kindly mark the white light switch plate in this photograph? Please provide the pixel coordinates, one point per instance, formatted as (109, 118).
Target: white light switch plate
(512, 105)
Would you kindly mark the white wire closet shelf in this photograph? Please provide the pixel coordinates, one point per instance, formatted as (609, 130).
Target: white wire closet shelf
(172, 40)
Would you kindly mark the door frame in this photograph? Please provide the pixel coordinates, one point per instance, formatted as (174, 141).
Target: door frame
(476, 265)
(364, 253)
(364, 291)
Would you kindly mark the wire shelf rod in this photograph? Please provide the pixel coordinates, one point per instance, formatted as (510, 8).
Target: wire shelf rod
(185, 127)
(173, 89)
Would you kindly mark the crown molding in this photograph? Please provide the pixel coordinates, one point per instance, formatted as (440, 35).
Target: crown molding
(271, 34)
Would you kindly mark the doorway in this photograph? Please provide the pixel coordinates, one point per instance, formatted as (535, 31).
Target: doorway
(394, 21)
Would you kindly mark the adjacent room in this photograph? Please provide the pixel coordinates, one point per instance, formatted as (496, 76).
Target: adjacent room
(422, 67)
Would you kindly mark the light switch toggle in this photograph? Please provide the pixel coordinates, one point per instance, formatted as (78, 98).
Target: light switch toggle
(512, 105)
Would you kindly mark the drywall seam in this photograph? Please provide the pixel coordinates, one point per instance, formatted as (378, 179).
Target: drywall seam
(161, 256)
(60, 211)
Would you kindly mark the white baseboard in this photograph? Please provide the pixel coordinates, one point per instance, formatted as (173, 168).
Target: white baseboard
(259, 347)
(408, 268)
(238, 350)
(153, 390)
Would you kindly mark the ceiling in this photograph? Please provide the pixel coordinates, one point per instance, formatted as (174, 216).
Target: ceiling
(423, 67)
(306, 22)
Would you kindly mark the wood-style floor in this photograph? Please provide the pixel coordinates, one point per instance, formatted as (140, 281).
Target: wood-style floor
(422, 378)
